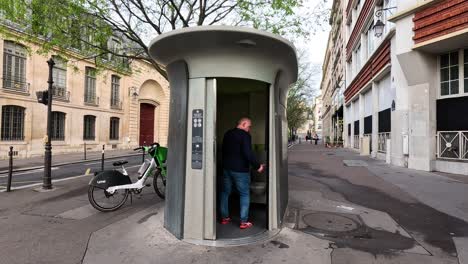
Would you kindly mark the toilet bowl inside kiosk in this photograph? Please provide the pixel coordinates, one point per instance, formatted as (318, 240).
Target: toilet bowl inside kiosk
(237, 98)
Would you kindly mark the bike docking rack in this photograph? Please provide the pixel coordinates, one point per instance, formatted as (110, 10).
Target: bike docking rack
(10, 169)
(224, 73)
(116, 184)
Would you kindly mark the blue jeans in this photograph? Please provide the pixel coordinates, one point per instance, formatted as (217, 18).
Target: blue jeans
(242, 182)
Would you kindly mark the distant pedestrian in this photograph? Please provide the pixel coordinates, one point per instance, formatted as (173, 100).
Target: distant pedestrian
(315, 138)
(237, 158)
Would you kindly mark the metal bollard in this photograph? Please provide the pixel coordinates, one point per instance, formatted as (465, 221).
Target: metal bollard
(10, 169)
(143, 155)
(102, 160)
(84, 151)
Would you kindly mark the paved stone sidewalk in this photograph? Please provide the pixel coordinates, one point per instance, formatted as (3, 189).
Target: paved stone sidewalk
(399, 223)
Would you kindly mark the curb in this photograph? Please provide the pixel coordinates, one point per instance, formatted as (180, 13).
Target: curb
(68, 163)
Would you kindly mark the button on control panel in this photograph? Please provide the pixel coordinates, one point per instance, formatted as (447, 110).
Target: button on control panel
(197, 139)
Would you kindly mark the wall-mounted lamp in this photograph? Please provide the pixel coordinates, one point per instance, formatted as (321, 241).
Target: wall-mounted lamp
(379, 25)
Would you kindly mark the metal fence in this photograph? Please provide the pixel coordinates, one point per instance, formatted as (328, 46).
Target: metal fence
(382, 142)
(452, 145)
(60, 93)
(356, 142)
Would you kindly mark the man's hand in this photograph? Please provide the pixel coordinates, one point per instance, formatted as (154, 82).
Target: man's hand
(262, 168)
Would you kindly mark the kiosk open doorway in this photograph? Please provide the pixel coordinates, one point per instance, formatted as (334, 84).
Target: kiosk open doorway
(237, 98)
(217, 75)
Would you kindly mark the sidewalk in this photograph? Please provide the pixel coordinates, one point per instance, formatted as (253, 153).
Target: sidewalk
(406, 216)
(62, 159)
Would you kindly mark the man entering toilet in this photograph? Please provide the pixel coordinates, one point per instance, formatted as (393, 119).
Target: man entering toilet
(237, 159)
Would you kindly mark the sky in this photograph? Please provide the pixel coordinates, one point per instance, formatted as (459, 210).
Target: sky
(315, 47)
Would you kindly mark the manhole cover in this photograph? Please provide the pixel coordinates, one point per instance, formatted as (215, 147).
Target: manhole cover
(328, 222)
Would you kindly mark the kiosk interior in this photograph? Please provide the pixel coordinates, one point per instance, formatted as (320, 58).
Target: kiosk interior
(218, 75)
(237, 98)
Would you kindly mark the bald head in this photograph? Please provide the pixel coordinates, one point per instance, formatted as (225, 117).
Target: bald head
(244, 123)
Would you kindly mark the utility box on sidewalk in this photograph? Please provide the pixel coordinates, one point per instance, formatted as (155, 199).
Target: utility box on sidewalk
(217, 75)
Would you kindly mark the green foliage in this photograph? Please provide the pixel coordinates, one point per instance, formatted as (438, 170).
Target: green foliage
(297, 108)
(88, 25)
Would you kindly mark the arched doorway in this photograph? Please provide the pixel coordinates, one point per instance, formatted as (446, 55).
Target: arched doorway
(146, 124)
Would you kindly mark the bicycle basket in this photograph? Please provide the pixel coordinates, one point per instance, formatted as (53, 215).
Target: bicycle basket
(161, 154)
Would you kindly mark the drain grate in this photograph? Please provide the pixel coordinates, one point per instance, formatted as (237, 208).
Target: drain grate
(330, 223)
(355, 163)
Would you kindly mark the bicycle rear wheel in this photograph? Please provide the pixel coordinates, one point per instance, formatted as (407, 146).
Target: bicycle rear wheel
(159, 184)
(104, 201)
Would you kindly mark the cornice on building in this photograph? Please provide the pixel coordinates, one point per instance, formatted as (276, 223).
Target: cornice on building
(420, 5)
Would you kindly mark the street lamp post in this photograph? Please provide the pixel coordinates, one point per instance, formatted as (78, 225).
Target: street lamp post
(379, 25)
(47, 180)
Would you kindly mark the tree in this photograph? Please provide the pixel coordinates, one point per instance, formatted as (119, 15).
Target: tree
(97, 27)
(299, 96)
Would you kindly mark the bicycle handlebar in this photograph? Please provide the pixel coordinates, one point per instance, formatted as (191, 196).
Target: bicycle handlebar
(155, 144)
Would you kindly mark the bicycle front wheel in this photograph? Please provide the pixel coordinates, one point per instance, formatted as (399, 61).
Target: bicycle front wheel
(159, 184)
(105, 202)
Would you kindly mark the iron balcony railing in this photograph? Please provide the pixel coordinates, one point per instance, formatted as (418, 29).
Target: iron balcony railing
(452, 145)
(15, 84)
(60, 93)
(91, 99)
(356, 142)
(116, 104)
(382, 142)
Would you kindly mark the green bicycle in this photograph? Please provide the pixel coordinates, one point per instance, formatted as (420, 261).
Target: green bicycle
(109, 189)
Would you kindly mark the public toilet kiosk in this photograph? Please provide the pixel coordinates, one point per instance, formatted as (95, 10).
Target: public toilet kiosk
(217, 75)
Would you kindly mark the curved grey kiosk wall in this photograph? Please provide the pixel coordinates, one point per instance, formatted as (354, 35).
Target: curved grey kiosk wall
(217, 75)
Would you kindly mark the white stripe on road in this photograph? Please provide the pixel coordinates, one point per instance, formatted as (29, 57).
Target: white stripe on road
(5, 175)
(25, 181)
(53, 181)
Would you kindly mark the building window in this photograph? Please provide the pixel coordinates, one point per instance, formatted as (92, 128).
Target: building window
(14, 66)
(115, 47)
(89, 127)
(114, 128)
(370, 39)
(59, 73)
(90, 86)
(449, 74)
(465, 67)
(12, 123)
(115, 92)
(358, 58)
(58, 126)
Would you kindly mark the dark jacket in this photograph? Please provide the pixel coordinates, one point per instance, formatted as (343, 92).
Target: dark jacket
(237, 151)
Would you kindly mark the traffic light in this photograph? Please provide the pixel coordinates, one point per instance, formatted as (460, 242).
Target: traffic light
(43, 97)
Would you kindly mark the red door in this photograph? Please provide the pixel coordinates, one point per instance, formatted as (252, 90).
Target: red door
(146, 124)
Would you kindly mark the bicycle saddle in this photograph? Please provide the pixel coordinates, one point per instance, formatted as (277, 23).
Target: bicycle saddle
(120, 163)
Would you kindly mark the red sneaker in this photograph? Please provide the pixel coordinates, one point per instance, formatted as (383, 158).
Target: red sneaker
(245, 225)
(225, 220)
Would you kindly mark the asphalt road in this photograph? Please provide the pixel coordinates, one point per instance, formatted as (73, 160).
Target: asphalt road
(66, 171)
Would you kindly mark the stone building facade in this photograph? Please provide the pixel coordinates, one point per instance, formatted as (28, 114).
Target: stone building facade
(406, 82)
(333, 79)
(117, 109)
